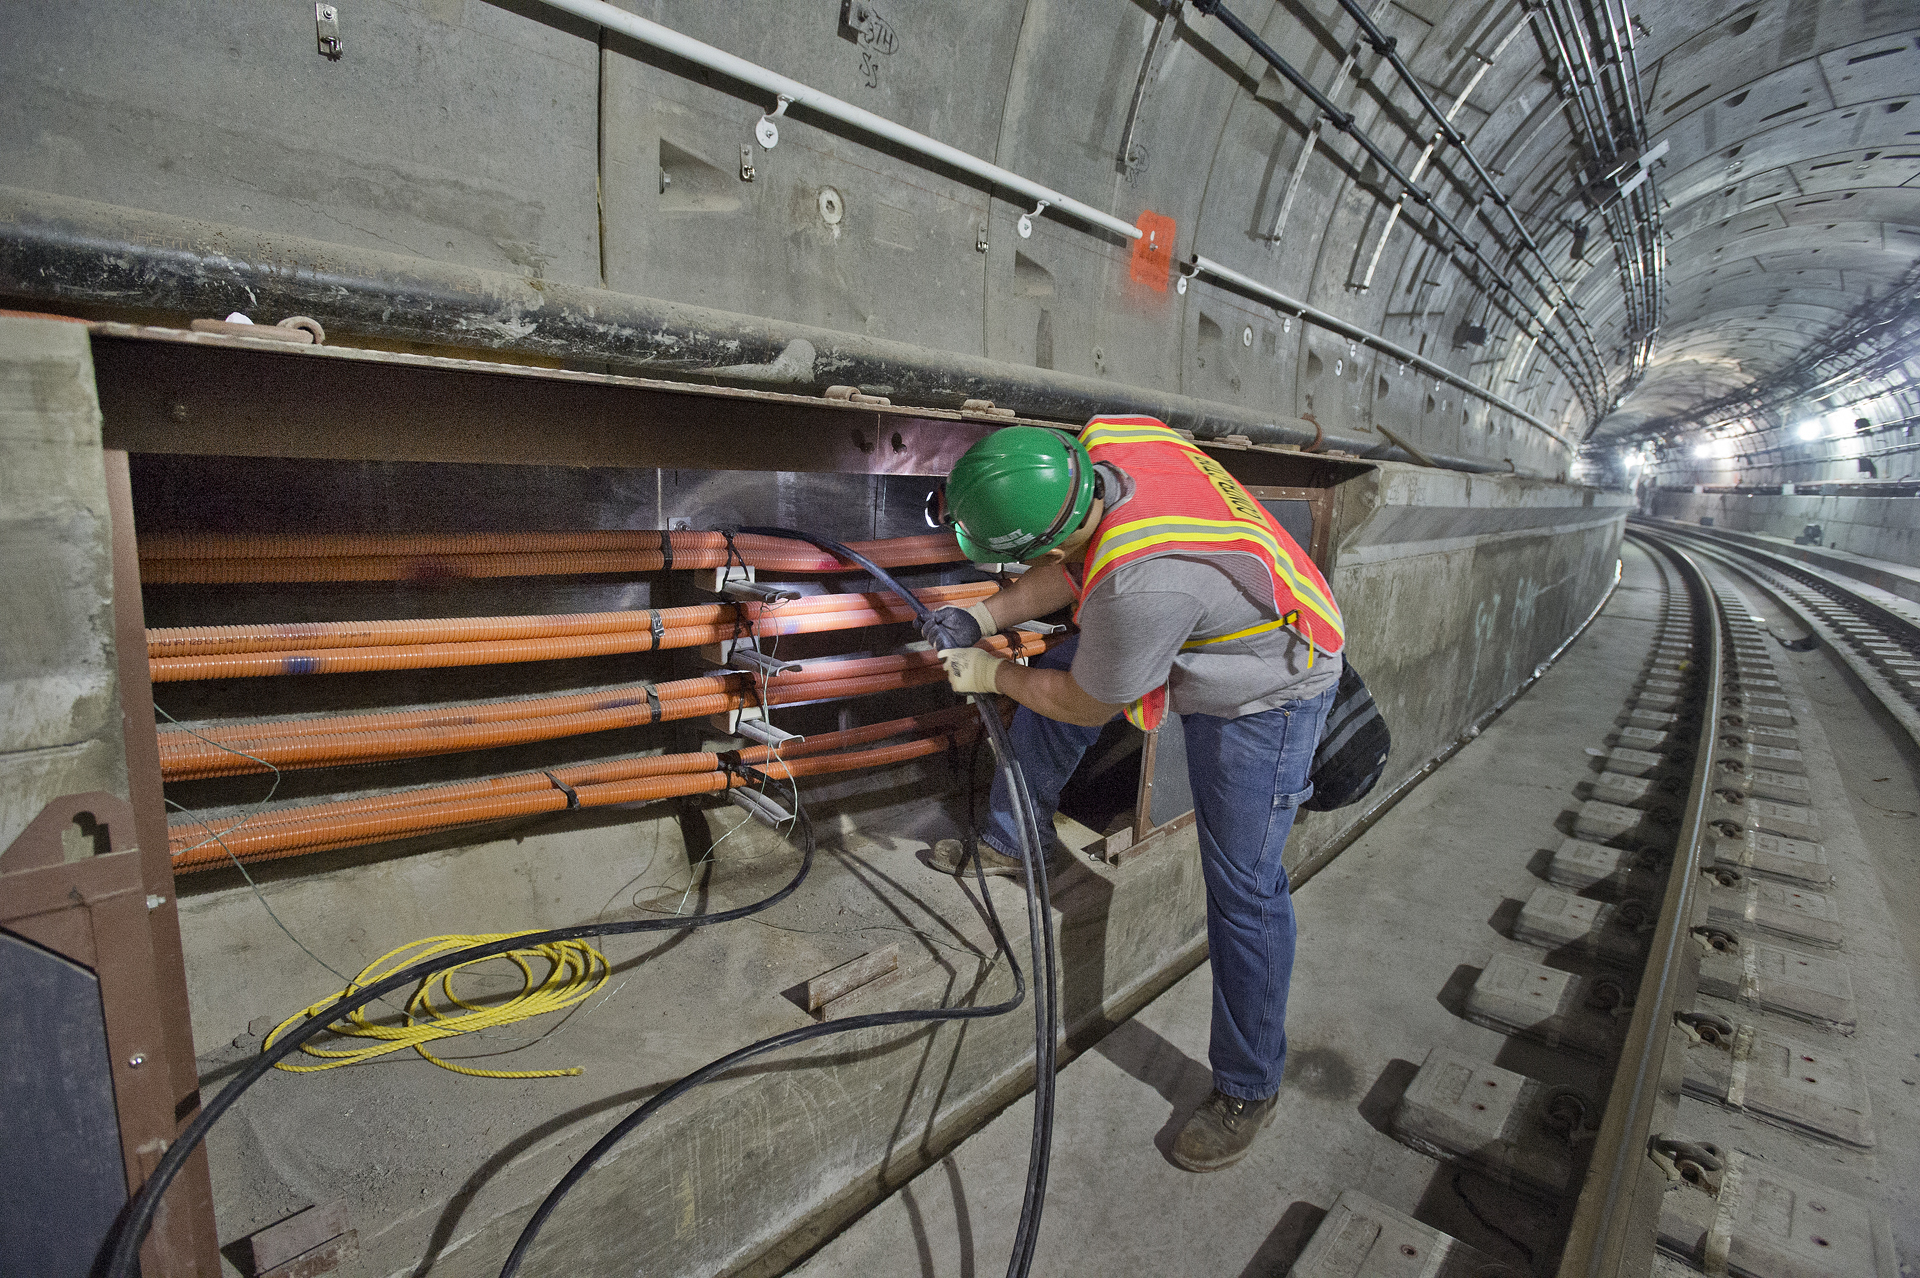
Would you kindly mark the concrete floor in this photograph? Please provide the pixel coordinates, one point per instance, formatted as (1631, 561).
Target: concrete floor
(1390, 934)
(1384, 932)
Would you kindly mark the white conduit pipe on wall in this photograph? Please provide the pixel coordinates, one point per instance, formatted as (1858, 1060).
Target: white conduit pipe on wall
(671, 41)
(1317, 316)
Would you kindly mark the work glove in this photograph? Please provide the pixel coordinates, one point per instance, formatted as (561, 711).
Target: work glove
(958, 627)
(970, 669)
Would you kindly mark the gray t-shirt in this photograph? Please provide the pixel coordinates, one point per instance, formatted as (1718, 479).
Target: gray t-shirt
(1132, 626)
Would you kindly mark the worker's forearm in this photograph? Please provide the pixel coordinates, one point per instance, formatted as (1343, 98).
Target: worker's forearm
(1052, 693)
(1038, 592)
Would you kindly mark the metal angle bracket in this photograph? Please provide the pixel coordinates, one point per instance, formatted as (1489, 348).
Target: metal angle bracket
(326, 29)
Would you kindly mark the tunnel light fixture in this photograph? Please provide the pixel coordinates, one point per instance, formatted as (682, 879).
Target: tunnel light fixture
(1810, 429)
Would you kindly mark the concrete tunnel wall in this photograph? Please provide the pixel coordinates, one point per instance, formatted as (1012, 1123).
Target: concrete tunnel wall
(510, 139)
(1877, 527)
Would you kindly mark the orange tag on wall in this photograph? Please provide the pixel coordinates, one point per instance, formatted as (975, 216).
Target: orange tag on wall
(1153, 252)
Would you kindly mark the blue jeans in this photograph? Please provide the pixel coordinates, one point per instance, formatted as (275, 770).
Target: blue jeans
(1249, 777)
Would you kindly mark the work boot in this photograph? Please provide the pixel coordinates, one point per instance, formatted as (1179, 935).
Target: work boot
(1221, 1131)
(950, 857)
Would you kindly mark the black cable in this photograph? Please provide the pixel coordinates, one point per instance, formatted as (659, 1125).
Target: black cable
(713, 1069)
(1046, 1012)
(138, 1215)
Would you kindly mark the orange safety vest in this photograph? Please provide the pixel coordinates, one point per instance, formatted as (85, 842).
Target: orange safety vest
(1184, 503)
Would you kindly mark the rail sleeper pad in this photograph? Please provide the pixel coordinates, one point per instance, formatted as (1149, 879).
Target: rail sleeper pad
(1648, 717)
(1766, 783)
(1672, 687)
(1469, 1111)
(1582, 866)
(1601, 821)
(1805, 987)
(1666, 702)
(1586, 1014)
(1759, 696)
(1772, 855)
(1769, 816)
(1769, 1223)
(1630, 762)
(1557, 920)
(1362, 1238)
(1641, 738)
(1651, 794)
(1765, 735)
(1809, 1088)
(1775, 716)
(1779, 909)
(1759, 755)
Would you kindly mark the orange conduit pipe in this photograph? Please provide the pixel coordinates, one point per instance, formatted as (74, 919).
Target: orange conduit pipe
(217, 560)
(628, 632)
(198, 641)
(572, 703)
(336, 741)
(187, 833)
(352, 829)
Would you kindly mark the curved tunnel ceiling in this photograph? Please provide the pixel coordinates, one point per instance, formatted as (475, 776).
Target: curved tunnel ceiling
(1793, 180)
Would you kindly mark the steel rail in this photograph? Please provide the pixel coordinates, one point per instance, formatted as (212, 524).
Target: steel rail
(1344, 121)
(1388, 47)
(1314, 315)
(1616, 1218)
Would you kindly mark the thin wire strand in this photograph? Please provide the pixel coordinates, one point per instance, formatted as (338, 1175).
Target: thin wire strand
(258, 808)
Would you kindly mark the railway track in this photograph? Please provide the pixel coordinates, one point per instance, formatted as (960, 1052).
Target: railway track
(1696, 943)
(1877, 638)
(1687, 1045)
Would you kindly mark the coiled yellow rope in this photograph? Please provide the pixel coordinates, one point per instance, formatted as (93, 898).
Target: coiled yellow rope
(575, 972)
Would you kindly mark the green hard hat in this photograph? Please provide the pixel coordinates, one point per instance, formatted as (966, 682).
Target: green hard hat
(1018, 493)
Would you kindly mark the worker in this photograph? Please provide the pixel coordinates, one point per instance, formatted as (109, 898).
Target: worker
(1192, 600)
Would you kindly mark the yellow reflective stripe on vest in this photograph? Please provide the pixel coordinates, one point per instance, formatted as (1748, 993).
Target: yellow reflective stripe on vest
(1102, 433)
(1208, 530)
(1264, 627)
(1147, 533)
(1126, 538)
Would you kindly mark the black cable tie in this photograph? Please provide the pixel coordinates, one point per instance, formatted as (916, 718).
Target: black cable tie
(653, 704)
(666, 550)
(573, 795)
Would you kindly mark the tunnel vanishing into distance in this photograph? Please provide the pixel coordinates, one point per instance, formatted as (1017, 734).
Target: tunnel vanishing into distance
(402, 373)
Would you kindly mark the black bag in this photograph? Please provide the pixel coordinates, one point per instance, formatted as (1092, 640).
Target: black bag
(1353, 747)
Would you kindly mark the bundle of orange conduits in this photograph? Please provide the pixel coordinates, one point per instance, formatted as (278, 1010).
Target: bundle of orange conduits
(336, 647)
(331, 647)
(370, 738)
(309, 828)
(211, 559)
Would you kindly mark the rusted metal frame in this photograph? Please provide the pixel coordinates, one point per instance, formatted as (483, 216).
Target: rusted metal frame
(1319, 506)
(1143, 800)
(94, 912)
(1616, 1219)
(187, 1225)
(166, 397)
